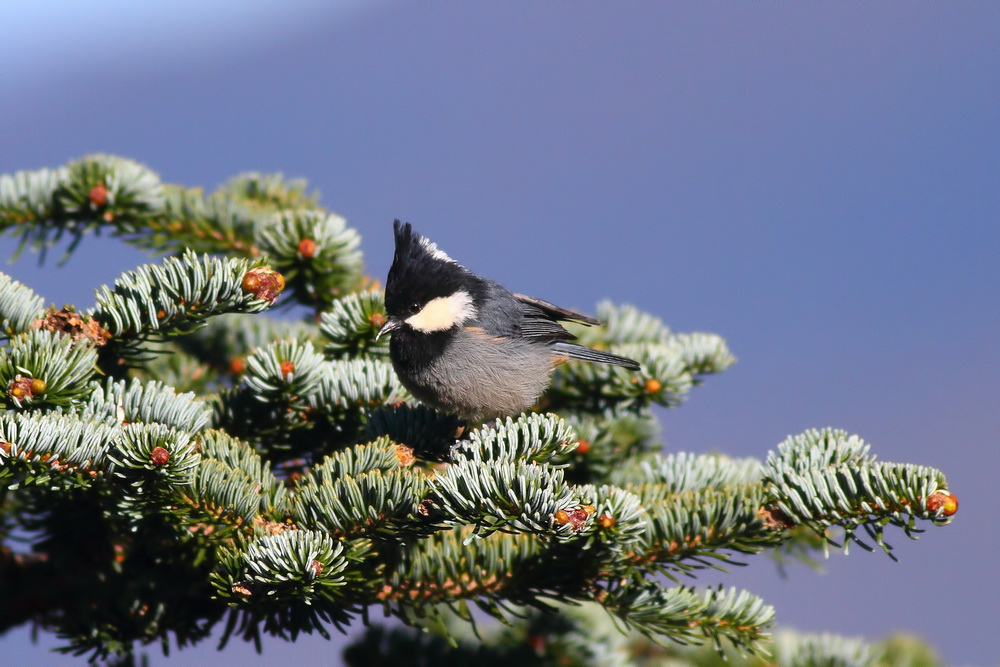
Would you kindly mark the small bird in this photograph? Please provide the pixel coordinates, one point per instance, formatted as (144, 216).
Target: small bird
(468, 345)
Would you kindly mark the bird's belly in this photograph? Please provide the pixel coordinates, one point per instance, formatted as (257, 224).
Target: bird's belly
(480, 380)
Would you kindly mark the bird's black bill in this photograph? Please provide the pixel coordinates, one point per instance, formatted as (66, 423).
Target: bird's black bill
(387, 328)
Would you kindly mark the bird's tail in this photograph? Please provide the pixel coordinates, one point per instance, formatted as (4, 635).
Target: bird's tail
(595, 356)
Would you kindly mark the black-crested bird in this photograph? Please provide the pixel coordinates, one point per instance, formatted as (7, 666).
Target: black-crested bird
(468, 345)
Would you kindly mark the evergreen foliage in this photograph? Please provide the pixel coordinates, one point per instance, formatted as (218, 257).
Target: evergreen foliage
(175, 460)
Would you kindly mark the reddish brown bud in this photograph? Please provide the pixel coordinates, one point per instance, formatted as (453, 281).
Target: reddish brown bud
(939, 500)
(237, 365)
(307, 248)
(576, 518)
(775, 518)
(159, 456)
(377, 320)
(98, 195)
(241, 590)
(25, 388)
(425, 507)
(263, 283)
(405, 455)
(316, 567)
(582, 446)
(287, 368)
(70, 323)
(606, 521)
(653, 386)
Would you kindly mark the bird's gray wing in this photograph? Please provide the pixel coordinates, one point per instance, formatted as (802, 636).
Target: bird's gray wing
(541, 320)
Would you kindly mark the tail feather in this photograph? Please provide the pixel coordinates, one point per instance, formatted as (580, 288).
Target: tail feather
(595, 356)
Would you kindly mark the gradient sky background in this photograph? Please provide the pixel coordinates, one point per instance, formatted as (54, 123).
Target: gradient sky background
(817, 182)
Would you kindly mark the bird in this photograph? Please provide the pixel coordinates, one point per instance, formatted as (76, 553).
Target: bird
(467, 345)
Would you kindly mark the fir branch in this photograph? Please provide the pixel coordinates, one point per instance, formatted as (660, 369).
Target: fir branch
(178, 295)
(610, 448)
(232, 483)
(273, 428)
(383, 501)
(684, 615)
(284, 371)
(150, 459)
(703, 353)
(192, 221)
(693, 529)
(150, 402)
(37, 448)
(350, 325)
(27, 197)
(683, 471)
(88, 194)
(665, 379)
(824, 478)
(432, 571)
(223, 495)
(352, 384)
(44, 368)
(19, 306)
(504, 495)
(224, 342)
(818, 649)
(163, 362)
(290, 582)
(382, 454)
(613, 515)
(430, 434)
(215, 444)
(316, 251)
(536, 438)
(270, 191)
(623, 323)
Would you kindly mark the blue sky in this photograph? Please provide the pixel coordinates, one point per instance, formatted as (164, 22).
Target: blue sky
(817, 182)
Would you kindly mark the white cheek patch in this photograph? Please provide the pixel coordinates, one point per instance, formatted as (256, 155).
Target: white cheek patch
(435, 252)
(443, 313)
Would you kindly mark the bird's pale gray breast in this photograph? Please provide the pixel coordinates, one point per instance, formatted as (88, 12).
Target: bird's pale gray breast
(482, 377)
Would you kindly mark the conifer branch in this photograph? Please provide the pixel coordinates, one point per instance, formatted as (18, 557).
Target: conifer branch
(86, 195)
(350, 326)
(316, 252)
(178, 295)
(295, 486)
(35, 449)
(41, 367)
(684, 615)
(151, 402)
(19, 307)
(827, 478)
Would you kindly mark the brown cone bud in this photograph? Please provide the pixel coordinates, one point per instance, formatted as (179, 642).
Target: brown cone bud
(307, 248)
(98, 195)
(159, 456)
(948, 501)
(263, 283)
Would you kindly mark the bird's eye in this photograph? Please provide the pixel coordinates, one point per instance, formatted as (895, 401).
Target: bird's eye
(413, 308)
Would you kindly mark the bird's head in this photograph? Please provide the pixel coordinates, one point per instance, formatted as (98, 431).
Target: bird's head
(426, 291)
